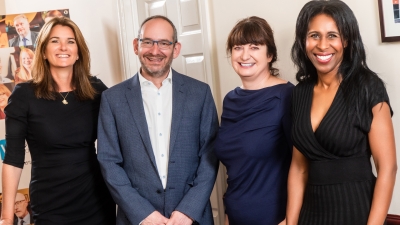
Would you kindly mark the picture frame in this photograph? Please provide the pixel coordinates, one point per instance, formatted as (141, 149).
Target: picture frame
(389, 20)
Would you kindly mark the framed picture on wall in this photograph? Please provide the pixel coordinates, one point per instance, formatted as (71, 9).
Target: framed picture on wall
(389, 20)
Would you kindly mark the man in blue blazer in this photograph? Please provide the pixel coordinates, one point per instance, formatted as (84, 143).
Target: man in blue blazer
(25, 37)
(156, 135)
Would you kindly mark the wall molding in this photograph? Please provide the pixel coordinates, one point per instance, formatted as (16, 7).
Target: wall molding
(128, 24)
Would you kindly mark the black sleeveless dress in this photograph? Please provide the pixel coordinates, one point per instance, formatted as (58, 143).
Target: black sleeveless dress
(340, 181)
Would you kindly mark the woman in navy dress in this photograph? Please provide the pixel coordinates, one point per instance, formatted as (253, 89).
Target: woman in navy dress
(254, 138)
(341, 116)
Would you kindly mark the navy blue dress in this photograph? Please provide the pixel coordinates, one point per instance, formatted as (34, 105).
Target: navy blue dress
(254, 144)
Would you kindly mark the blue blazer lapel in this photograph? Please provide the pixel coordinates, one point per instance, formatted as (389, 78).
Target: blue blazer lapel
(133, 95)
(179, 93)
(14, 42)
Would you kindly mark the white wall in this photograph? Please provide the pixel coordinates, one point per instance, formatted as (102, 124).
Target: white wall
(281, 15)
(98, 21)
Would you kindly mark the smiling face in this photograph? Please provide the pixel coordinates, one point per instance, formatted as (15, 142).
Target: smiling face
(26, 60)
(250, 60)
(21, 26)
(61, 50)
(4, 95)
(324, 45)
(156, 62)
(3, 100)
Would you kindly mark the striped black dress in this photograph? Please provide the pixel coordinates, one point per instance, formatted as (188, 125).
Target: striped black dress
(340, 181)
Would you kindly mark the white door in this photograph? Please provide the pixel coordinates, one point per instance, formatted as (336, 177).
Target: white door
(191, 21)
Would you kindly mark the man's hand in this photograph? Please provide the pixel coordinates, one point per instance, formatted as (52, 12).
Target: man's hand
(155, 218)
(178, 218)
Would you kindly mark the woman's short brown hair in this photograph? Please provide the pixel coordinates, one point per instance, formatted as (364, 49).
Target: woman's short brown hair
(254, 30)
(45, 87)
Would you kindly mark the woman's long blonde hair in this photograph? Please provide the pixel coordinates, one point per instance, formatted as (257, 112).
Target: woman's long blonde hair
(45, 86)
(25, 74)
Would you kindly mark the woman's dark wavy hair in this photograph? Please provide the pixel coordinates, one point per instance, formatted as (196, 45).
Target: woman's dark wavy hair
(254, 30)
(353, 69)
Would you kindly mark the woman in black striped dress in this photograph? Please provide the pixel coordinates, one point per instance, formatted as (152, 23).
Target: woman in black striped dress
(341, 116)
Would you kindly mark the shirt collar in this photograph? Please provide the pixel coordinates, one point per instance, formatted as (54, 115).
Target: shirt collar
(143, 80)
(26, 219)
(28, 36)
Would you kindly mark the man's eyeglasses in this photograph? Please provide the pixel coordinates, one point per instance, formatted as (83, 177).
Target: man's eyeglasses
(148, 43)
(17, 203)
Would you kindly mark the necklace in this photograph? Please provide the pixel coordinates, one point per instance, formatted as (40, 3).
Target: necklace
(65, 102)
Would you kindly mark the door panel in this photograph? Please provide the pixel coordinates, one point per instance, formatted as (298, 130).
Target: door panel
(185, 16)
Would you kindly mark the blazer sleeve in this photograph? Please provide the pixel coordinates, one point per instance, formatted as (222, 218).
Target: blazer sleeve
(196, 199)
(34, 37)
(12, 42)
(135, 207)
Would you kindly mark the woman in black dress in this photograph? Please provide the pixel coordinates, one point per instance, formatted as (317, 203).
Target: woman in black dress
(341, 116)
(56, 113)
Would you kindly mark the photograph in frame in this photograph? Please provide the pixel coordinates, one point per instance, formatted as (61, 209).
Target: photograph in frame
(389, 20)
(22, 207)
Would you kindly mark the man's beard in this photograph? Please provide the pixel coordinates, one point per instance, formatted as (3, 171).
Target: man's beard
(156, 73)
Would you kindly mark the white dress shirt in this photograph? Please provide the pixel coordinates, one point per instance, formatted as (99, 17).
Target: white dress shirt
(26, 219)
(157, 105)
(28, 40)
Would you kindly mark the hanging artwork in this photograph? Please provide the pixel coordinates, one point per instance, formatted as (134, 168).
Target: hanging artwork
(389, 20)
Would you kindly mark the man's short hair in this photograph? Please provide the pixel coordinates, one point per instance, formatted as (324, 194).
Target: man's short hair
(175, 37)
(20, 16)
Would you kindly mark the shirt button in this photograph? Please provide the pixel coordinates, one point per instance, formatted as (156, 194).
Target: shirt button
(162, 155)
(159, 114)
(163, 177)
(160, 134)
(158, 93)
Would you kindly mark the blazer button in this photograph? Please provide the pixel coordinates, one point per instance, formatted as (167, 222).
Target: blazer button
(159, 191)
